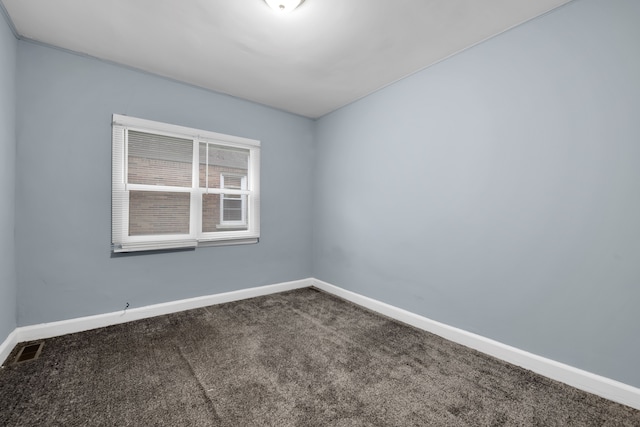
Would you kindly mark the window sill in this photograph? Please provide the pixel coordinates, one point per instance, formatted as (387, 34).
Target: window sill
(152, 247)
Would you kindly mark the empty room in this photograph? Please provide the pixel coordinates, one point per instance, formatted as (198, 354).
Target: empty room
(320, 212)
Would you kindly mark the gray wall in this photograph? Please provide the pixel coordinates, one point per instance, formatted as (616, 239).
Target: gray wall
(65, 103)
(499, 190)
(8, 49)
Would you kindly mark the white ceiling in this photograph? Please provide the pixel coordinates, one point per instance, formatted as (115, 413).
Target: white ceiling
(325, 54)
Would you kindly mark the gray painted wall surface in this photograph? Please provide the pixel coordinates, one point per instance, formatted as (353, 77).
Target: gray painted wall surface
(8, 51)
(499, 190)
(65, 103)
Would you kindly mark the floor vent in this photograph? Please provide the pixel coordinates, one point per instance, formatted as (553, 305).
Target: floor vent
(29, 352)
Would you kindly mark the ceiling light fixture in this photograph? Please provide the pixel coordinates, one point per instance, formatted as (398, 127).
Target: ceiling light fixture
(283, 6)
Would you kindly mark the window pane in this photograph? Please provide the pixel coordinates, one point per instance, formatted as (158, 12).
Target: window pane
(211, 212)
(218, 160)
(232, 209)
(159, 160)
(156, 213)
(233, 182)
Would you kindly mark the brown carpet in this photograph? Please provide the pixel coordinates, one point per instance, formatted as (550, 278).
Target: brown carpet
(299, 358)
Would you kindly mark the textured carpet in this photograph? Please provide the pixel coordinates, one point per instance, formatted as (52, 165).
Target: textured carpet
(299, 358)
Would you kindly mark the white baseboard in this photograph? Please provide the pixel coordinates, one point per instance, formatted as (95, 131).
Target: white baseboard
(53, 329)
(583, 380)
(592, 383)
(8, 345)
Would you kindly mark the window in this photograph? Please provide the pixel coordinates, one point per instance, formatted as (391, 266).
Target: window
(233, 211)
(176, 187)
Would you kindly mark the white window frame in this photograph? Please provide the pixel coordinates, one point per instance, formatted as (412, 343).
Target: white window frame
(122, 242)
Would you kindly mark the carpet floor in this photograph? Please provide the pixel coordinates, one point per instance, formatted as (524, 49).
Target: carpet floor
(298, 358)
